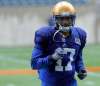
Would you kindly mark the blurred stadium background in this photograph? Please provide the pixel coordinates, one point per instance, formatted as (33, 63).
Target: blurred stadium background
(18, 21)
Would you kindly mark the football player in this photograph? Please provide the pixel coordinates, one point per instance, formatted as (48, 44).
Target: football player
(57, 54)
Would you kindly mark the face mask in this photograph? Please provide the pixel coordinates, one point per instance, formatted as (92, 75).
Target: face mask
(64, 29)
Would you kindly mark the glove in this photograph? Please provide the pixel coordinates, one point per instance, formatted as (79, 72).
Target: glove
(58, 54)
(82, 74)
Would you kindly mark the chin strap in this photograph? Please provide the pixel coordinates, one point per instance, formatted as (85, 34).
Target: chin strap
(61, 29)
(55, 36)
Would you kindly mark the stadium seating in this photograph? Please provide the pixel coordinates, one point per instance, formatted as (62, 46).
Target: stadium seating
(37, 2)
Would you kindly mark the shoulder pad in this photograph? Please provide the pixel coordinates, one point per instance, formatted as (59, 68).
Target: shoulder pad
(81, 32)
(45, 31)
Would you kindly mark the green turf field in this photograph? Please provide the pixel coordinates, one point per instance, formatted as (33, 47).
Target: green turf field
(19, 58)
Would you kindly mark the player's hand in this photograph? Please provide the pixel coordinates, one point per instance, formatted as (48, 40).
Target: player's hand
(58, 54)
(82, 74)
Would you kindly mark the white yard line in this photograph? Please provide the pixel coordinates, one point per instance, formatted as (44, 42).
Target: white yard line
(94, 74)
(13, 59)
(90, 83)
(10, 84)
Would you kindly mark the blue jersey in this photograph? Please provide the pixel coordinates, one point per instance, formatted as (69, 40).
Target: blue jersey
(63, 69)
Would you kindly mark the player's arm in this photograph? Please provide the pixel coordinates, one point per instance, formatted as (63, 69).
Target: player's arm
(39, 59)
(80, 68)
(79, 64)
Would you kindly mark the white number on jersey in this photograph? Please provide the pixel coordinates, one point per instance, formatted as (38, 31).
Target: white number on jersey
(68, 67)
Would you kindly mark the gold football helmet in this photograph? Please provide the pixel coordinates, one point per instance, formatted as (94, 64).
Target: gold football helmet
(63, 7)
(64, 15)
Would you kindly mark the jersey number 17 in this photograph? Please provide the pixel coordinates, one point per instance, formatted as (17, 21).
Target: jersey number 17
(68, 67)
